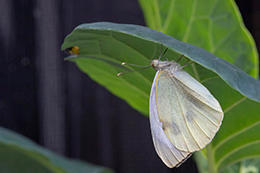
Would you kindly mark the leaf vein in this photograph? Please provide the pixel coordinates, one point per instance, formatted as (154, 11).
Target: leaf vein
(169, 17)
(187, 32)
(234, 104)
(234, 151)
(234, 135)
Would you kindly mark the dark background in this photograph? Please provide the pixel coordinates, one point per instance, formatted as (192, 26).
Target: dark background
(59, 107)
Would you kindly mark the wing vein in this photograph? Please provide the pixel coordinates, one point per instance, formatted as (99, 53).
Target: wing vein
(182, 113)
(201, 129)
(188, 88)
(206, 117)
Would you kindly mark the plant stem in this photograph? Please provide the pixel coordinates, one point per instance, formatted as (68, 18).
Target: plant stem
(210, 156)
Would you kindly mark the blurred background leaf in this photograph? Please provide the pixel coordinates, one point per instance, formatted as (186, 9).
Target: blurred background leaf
(19, 154)
(245, 166)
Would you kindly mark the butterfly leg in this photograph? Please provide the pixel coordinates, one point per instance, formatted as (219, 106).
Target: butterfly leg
(187, 63)
(180, 57)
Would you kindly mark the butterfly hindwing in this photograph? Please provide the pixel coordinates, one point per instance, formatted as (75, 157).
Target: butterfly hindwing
(169, 154)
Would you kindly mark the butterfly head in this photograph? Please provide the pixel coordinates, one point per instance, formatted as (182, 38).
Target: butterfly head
(160, 65)
(155, 64)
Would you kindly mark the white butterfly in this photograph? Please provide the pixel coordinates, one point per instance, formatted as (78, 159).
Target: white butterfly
(184, 116)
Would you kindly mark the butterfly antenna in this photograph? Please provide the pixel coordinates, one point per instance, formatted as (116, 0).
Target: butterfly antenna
(123, 73)
(134, 65)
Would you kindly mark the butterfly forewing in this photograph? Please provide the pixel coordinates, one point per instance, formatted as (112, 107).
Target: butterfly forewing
(189, 115)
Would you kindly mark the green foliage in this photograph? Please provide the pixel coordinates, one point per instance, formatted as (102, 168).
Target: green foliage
(103, 46)
(217, 26)
(19, 154)
(214, 25)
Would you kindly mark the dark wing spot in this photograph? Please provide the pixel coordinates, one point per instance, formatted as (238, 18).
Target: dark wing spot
(172, 127)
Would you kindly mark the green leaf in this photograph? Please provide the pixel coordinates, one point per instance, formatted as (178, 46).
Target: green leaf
(103, 46)
(218, 27)
(214, 25)
(21, 155)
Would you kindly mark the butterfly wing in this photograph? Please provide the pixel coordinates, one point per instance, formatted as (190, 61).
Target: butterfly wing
(169, 154)
(189, 114)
